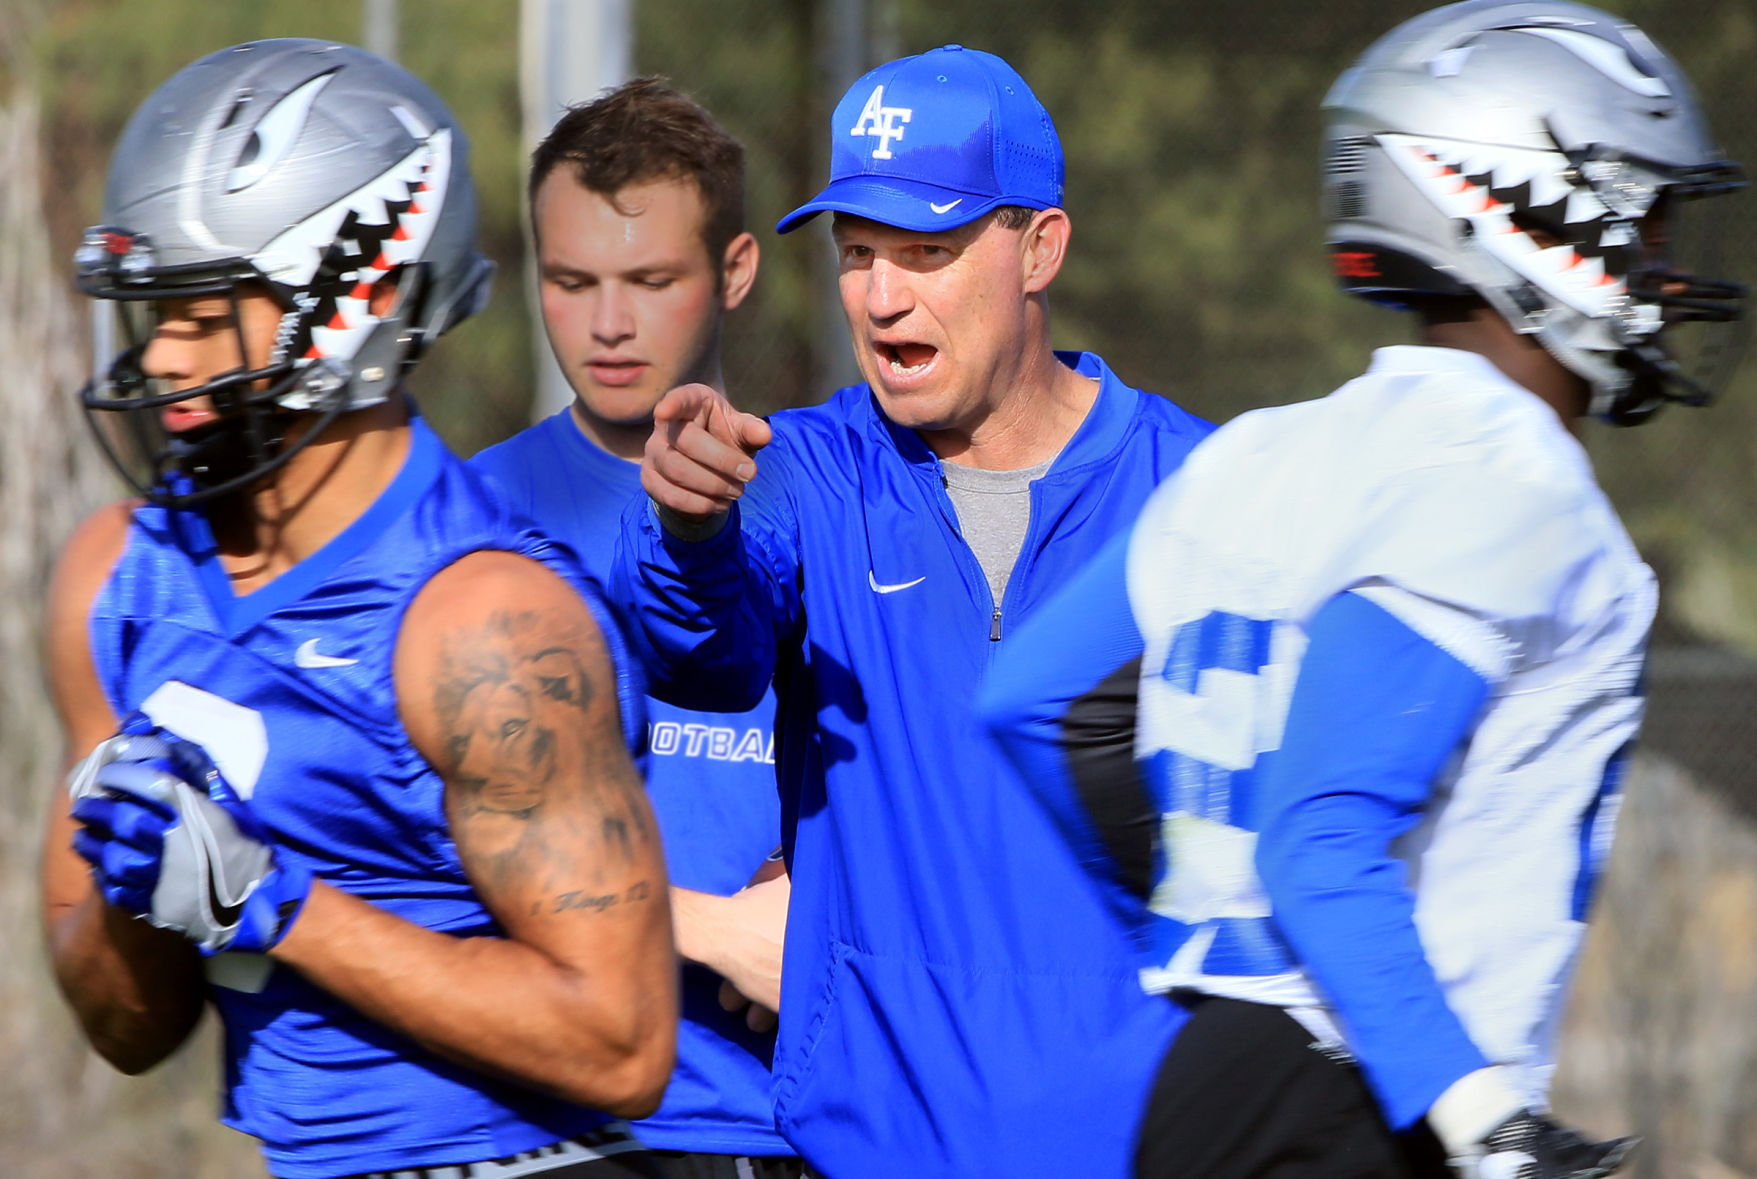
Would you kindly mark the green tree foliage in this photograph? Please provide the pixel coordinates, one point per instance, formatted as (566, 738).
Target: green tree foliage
(748, 61)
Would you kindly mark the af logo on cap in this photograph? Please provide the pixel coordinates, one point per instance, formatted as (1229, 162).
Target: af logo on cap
(886, 122)
(934, 141)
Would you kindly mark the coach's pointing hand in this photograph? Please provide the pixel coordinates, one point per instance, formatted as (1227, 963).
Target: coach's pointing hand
(699, 457)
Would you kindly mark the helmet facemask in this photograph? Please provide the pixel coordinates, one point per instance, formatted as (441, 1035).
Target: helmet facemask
(246, 441)
(1576, 248)
(1675, 362)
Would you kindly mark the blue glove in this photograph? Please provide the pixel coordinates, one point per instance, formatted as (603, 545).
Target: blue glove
(170, 841)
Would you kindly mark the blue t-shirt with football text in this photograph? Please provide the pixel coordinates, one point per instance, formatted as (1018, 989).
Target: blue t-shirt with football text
(711, 779)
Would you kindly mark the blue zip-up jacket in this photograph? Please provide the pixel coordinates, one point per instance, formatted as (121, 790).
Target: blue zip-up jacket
(958, 996)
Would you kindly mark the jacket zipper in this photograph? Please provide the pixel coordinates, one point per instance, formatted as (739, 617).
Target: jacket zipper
(1027, 554)
(950, 515)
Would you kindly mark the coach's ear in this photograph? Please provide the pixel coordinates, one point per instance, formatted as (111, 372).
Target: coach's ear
(1043, 245)
(738, 270)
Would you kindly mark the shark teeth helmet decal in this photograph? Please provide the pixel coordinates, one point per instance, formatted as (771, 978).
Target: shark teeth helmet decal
(1536, 155)
(1503, 195)
(338, 254)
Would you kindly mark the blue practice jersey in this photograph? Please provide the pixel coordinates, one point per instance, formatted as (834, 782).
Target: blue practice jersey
(711, 778)
(957, 998)
(290, 689)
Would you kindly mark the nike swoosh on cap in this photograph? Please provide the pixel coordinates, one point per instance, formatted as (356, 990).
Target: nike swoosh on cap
(945, 208)
(308, 656)
(891, 589)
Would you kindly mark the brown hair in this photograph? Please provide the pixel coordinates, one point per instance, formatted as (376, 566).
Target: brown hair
(644, 130)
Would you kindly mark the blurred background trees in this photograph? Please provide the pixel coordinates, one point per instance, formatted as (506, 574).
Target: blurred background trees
(1197, 270)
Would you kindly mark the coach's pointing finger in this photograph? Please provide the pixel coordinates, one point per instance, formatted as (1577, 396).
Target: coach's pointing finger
(698, 458)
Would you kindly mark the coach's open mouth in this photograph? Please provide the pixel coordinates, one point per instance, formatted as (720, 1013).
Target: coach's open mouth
(906, 360)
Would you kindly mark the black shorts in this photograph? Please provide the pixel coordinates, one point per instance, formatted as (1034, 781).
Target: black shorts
(677, 1164)
(610, 1152)
(1245, 1093)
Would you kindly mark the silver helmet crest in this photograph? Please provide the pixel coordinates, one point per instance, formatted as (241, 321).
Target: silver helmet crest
(313, 170)
(1521, 152)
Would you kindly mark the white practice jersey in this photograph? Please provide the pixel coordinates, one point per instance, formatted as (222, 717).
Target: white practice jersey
(1455, 500)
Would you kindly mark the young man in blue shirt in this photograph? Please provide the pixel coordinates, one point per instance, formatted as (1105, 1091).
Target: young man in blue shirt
(958, 998)
(637, 201)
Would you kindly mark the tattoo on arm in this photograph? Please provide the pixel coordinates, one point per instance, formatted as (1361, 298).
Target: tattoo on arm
(575, 899)
(516, 713)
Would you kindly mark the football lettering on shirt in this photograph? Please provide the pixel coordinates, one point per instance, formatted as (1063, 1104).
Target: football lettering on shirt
(714, 742)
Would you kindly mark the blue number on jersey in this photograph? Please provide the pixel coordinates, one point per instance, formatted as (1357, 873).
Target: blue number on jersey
(1180, 780)
(1202, 782)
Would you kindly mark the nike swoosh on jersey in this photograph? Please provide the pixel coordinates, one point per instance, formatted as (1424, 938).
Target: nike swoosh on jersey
(891, 589)
(308, 656)
(945, 208)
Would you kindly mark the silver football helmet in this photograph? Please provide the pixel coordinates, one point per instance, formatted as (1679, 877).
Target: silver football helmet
(1530, 152)
(312, 170)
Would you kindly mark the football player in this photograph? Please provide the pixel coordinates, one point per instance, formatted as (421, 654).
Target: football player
(359, 772)
(637, 202)
(1359, 686)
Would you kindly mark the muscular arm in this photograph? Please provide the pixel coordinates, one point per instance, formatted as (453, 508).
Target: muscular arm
(505, 686)
(137, 991)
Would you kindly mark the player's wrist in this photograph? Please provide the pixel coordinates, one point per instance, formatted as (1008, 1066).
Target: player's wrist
(694, 918)
(1472, 1106)
(268, 913)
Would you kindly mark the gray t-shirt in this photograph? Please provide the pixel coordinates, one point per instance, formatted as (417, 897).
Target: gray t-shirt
(994, 510)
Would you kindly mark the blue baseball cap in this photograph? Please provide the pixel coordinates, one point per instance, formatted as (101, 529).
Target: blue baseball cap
(934, 141)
